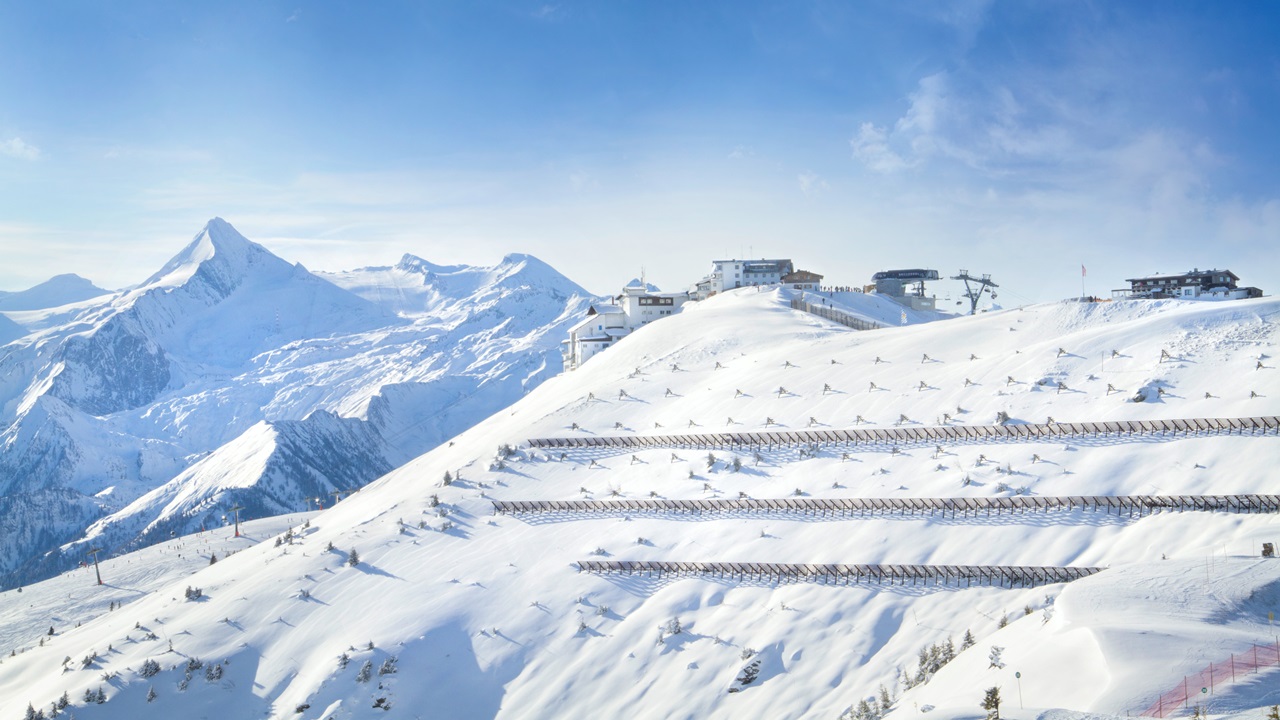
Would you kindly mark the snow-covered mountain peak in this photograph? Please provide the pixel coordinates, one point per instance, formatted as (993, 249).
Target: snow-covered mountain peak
(219, 242)
(415, 287)
(56, 291)
(648, 286)
(413, 264)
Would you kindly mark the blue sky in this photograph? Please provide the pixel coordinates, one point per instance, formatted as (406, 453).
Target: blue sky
(1020, 139)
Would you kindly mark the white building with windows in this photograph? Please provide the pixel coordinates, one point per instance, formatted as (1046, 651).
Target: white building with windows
(1195, 285)
(730, 274)
(607, 323)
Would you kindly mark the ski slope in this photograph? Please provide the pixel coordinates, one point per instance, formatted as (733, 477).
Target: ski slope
(487, 615)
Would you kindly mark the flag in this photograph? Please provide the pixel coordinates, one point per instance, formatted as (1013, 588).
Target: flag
(904, 317)
(1082, 271)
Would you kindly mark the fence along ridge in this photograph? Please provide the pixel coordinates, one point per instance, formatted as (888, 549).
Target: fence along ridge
(1140, 504)
(1268, 424)
(840, 574)
(843, 317)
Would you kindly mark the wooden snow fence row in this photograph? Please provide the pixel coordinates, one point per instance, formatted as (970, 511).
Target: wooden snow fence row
(1010, 576)
(945, 434)
(948, 507)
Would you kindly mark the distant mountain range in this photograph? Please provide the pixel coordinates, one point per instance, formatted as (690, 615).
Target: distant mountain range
(233, 377)
(54, 292)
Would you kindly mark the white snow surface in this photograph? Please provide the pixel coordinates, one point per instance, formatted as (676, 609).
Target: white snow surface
(488, 616)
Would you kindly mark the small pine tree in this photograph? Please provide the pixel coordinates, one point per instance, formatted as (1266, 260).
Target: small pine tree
(213, 558)
(63, 701)
(366, 671)
(353, 558)
(151, 694)
(31, 713)
(886, 701)
(1003, 621)
(968, 641)
(101, 697)
(448, 479)
(991, 703)
(1274, 713)
(994, 657)
(388, 666)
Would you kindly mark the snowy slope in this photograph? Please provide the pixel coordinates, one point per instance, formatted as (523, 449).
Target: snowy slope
(10, 330)
(55, 292)
(140, 404)
(488, 616)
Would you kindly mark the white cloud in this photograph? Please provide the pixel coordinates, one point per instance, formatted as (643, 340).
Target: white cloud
(871, 146)
(811, 183)
(19, 148)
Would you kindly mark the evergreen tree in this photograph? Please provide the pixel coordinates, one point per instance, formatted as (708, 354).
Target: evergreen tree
(1274, 713)
(991, 703)
(31, 713)
(353, 558)
(885, 701)
(151, 694)
(994, 657)
(366, 670)
(213, 558)
(968, 641)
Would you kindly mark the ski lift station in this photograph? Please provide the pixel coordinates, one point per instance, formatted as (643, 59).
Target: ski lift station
(906, 287)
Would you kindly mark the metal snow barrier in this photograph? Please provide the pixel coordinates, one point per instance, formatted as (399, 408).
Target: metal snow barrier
(1010, 576)
(834, 315)
(1139, 505)
(914, 436)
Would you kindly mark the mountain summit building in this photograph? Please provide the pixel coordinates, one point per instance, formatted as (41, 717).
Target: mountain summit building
(607, 323)
(730, 274)
(1195, 285)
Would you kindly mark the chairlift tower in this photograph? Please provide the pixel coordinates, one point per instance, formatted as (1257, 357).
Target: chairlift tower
(974, 292)
(94, 553)
(236, 510)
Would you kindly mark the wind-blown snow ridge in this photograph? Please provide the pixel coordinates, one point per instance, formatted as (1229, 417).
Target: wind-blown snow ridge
(486, 615)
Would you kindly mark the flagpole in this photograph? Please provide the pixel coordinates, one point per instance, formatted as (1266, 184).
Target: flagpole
(1082, 274)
